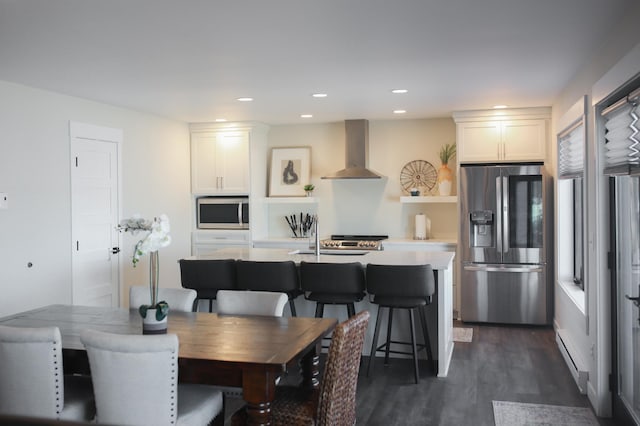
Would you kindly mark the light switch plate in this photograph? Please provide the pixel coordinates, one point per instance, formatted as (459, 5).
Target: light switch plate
(4, 201)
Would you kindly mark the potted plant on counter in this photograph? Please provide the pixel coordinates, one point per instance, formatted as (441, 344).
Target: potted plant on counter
(308, 188)
(445, 175)
(154, 315)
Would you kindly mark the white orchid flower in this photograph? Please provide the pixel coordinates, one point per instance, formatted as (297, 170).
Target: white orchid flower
(158, 234)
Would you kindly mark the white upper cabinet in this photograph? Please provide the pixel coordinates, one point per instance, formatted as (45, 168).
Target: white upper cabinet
(220, 162)
(502, 135)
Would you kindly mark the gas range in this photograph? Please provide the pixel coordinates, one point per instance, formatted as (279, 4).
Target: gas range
(351, 242)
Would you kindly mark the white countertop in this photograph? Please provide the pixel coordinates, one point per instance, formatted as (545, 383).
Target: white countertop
(430, 241)
(439, 260)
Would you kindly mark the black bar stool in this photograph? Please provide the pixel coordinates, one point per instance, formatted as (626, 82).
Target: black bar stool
(333, 284)
(400, 287)
(270, 276)
(207, 276)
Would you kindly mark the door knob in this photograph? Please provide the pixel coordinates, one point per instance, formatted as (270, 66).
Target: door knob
(115, 250)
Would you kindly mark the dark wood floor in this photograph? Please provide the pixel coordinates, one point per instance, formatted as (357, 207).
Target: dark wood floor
(504, 363)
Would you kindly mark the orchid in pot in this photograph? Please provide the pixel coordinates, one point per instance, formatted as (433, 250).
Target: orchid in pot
(157, 236)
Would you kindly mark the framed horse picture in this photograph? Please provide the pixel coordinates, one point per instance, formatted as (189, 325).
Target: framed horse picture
(290, 171)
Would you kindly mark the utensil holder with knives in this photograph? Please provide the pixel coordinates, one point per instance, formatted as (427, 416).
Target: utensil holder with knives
(301, 225)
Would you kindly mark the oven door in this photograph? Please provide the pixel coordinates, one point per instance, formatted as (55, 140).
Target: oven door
(223, 213)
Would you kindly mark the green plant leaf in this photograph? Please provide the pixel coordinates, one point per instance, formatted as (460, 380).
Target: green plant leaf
(162, 310)
(447, 152)
(143, 310)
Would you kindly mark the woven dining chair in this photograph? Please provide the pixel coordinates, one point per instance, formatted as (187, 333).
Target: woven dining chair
(335, 402)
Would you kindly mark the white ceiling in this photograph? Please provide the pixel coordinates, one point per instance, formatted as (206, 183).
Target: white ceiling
(190, 60)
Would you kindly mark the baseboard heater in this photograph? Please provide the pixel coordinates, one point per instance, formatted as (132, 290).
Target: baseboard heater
(576, 366)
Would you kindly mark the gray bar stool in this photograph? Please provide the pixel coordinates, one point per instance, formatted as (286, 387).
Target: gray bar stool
(270, 276)
(207, 276)
(333, 284)
(407, 287)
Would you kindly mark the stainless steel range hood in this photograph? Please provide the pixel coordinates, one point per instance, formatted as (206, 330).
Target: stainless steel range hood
(356, 152)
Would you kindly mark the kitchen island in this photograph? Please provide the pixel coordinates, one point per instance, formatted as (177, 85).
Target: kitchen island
(439, 313)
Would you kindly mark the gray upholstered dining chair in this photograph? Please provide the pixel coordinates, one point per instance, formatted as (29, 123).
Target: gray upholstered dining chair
(246, 302)
(135, 380)
(179, 299)
(32, 380)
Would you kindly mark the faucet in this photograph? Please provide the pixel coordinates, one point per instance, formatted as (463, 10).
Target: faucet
(316, 247)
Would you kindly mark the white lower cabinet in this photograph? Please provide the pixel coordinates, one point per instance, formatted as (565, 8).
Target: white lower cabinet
(205, 242)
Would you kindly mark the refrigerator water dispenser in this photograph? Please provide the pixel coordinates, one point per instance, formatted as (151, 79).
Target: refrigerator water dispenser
(481, 230)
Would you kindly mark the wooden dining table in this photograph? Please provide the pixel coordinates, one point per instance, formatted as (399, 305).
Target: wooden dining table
(250, 352)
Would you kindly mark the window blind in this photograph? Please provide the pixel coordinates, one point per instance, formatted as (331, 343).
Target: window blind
(571, 150)
(622, 136)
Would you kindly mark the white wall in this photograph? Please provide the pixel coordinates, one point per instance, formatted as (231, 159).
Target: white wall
(34, 171)
(367, 206)
(592, 338)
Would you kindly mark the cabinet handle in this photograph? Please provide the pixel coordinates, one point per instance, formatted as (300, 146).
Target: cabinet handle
(221, 182)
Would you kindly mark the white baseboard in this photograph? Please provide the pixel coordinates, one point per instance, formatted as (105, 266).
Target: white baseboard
(577, 367)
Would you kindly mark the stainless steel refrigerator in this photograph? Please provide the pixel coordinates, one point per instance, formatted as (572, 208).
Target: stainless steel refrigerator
(506, 244)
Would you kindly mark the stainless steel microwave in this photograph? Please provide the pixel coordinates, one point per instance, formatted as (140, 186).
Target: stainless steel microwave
(222, 212)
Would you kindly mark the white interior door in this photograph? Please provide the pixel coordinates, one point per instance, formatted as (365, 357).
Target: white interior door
(94, 211)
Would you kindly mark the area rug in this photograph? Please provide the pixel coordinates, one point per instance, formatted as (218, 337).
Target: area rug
(462, 334)
(521, 414)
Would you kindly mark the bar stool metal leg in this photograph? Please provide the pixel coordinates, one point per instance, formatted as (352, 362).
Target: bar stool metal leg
(388, 345)
(413, 345)
(374, 344)
(292, 306)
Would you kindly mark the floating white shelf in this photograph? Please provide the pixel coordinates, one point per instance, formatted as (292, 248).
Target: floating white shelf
(291, 200)
(430, 199)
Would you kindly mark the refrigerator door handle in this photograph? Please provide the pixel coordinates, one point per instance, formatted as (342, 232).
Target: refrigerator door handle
(503, 268)
(498, 224)
(505, 214)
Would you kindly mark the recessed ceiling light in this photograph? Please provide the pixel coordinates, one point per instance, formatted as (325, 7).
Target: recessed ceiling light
(319, 95)
(244, 99)
(306, 115)
(220, 120)
(399, 91)
(499, 106)
(399, 111)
